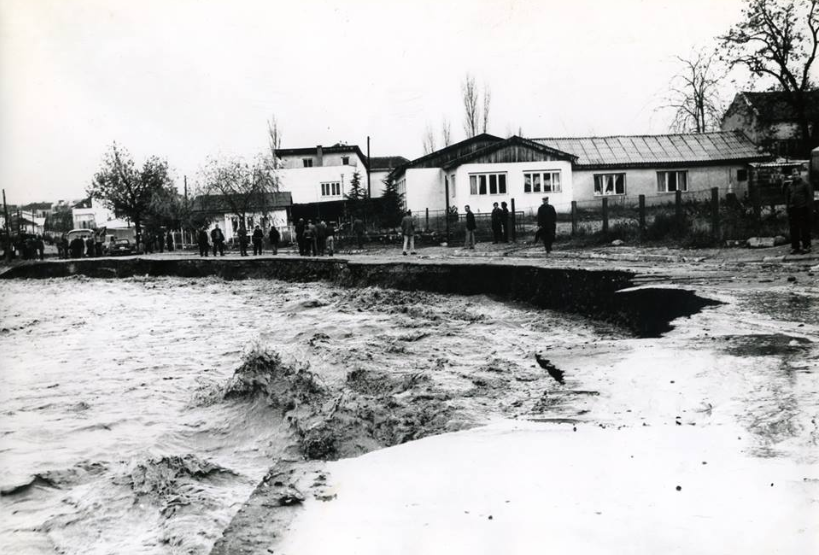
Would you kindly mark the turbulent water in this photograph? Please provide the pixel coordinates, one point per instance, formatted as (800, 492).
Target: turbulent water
(116, 433)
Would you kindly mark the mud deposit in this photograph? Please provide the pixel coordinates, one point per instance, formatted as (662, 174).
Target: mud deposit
(140, 414)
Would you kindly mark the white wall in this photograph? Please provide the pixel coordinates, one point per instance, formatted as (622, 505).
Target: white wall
(333, 159)
(305, 183)
(377, 182)
(425, 189)
(514, 186)
(277, 218)
(644, 182)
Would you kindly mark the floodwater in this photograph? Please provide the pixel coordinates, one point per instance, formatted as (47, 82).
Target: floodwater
(114, 436)
(117, 436)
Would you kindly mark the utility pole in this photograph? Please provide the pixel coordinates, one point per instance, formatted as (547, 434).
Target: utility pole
(369, 191)
(185, 178)
(8, 227)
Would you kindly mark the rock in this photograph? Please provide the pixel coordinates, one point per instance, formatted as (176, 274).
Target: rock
(791, 279)
(780, 240)
(761, 242)
(617, 242)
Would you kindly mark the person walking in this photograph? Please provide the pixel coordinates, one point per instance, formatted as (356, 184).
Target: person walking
(408, 231)
(218, 240)
(358, 229)
(471, 226)
(547, 224)
(242, 240)
(798, 199)
(504, 222)
(274, 239)
(300, 228)
(202, 239)
(497, 214)
(258, 237)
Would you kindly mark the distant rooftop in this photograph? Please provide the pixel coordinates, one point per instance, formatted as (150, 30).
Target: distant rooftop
(774, 106)
(383, 163)
(653, 150)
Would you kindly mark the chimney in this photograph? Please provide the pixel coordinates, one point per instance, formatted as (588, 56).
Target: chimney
(319, 156)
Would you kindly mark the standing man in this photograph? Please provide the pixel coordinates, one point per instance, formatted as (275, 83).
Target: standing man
(798, 200)
(274, 239)
(497, 214)
(300, 235)
(408, 231)
(218, 239)
(90, 246)
(242, 240)
(358, 229)
(202, 239)
(310, 239)
(321, 237)
(547, 224)
(470, 229)
(258, 237)
(505, 222)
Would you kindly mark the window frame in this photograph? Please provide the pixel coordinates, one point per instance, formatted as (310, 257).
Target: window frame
(345, 160)
(535, 181)
(676, 173)
(482, 181)
(307, 162)
(330, 189)
(614, 192)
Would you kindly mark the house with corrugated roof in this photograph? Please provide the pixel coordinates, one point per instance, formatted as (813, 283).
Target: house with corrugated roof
(486, 169)
(770, 120)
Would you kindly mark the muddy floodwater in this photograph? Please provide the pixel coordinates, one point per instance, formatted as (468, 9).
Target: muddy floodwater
(125, 427)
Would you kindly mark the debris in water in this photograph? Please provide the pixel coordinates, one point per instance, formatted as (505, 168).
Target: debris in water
(553, 371)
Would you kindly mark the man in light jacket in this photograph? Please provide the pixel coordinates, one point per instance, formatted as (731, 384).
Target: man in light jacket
(408, 231)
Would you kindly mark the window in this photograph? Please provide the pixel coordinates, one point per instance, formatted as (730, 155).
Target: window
(345, 160)
(487, 184)
(606, 184)
(331, 189)
(668, 182)
(545, 182)
(742, 175)
(308, 162)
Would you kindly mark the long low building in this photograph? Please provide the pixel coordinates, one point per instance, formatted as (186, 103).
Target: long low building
(486, 169)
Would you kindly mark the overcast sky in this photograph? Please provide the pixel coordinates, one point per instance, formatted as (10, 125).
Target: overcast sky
(185, 79)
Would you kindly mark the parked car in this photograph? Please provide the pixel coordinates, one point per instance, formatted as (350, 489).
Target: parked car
(120, 247)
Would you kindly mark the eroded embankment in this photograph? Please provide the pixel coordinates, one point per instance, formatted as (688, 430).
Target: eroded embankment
(599, 294)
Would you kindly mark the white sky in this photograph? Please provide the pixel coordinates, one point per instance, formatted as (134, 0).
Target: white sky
(185, 79)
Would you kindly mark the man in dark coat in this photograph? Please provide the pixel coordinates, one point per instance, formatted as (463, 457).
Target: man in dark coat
(471, 226)
(258, 237)
(90, 247)
(799, 199)
(547, 224)
(321, 238)
(169, 241)
(497, 214)
(218, 240)
(505, 222)
(274, 239)
(300, 228)
(242, 240)
(204, 245)
(310, 239)
(76, 246)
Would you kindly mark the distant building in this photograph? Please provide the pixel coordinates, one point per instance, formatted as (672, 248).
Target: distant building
(89, 213)
(272, 210)
(770, 121)
(487, 169)
(380, 168)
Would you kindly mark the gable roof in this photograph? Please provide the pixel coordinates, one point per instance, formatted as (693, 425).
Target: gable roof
(657, 150)
(444, 156)
(219, 204)
(383, 163)
(774, 106)
(486, 153)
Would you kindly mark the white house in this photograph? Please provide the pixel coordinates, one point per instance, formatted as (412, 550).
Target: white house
(90, 213)
(270, 211)
(320, 174)
(487, 169)
(380, 168)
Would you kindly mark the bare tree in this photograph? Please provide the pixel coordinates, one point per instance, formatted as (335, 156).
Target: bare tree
(778, 39)
(429, 140)
(487, 100)
(694, 93)
(469, 95)
(446, 132)
(274, 136)
(239, 186)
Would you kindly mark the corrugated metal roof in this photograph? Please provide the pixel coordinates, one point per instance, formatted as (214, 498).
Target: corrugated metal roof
(649, 150)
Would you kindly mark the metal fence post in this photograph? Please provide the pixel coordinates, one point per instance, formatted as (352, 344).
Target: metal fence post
(678, 206)
(574, 218)
(715, 212)
(514, 223)
(426, 226)
(642, 199)
(605, 216)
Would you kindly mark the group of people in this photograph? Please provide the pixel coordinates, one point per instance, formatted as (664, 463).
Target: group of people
(546, 225)
(315, 238)
(216, 241)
